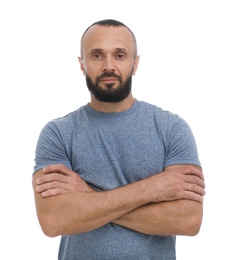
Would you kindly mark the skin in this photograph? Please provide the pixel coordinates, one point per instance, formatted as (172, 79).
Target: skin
(109, 49)
(168, 203)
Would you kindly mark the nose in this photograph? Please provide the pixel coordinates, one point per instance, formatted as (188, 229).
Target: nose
(108, 64)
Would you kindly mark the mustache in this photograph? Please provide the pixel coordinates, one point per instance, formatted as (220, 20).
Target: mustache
(107, 75)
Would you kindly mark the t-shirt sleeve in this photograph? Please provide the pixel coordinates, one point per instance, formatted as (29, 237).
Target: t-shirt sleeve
(50, 148)
(181, 146)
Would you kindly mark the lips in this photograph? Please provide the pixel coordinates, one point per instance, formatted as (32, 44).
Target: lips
(109, 79)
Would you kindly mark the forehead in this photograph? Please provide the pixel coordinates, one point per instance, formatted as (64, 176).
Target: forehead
(108, 38)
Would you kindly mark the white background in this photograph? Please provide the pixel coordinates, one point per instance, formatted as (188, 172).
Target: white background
(184, 67)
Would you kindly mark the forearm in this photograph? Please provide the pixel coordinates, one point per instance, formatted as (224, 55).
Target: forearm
(66, 205)
(180, 217)
(83, 211)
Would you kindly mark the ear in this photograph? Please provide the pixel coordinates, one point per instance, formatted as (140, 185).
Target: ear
(82, 66)
(136, 62)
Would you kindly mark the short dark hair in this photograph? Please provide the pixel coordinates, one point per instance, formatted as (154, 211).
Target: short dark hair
(111, 22)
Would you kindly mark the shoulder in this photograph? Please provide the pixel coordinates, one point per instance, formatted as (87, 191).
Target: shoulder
(160, 116)
(65, 124)
(170, 126)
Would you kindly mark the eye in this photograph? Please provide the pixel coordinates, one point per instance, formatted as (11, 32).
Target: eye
(120, 56)
(97, 55)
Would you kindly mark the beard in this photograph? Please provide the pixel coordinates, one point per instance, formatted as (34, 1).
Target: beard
(110, 94)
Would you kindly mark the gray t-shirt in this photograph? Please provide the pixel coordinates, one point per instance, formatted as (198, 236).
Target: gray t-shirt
(109, 150)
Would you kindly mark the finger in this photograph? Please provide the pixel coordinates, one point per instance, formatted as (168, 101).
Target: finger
(52, 177)
(195, 180)
(59, 168)
(52, 192)
(193, 196)
(192, 170)
(51, 185)
(195, 189)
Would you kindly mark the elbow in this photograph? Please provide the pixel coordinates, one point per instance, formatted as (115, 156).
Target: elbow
(194, 225)
(192, 217)
(48, 226)
(49, 232)
(193, 230)
(53, 226)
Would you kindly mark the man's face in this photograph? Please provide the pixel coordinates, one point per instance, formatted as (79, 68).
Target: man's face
(108, 62)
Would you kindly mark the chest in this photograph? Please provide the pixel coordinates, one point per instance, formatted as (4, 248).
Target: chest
(112, 155)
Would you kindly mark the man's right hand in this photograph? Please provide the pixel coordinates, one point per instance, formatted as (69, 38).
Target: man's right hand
(58, 179)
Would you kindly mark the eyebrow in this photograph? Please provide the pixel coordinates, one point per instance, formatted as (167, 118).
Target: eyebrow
(95, 50)
(122, 50)
(101, 50)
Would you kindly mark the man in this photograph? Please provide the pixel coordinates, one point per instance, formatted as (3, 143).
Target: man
(117, 178)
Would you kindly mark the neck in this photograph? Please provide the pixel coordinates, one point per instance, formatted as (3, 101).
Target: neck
(108, 107)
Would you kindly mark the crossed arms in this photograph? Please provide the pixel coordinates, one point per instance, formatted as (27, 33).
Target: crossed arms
(168, 203)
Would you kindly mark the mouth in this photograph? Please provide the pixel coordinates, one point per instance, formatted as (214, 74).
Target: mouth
(109, 79)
